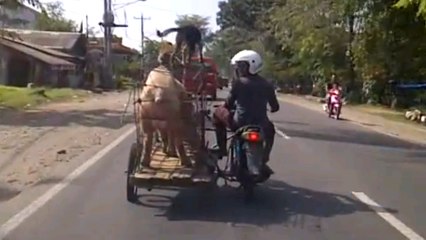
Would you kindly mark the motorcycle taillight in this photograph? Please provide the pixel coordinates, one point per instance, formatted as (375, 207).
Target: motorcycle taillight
(251, 136)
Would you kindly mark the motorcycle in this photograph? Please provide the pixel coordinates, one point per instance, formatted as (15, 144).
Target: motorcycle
(335, 108)
(245, 158)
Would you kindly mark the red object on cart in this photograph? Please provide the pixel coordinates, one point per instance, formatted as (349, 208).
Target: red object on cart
(195, 73)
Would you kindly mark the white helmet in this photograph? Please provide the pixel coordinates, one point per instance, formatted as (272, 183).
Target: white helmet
(251, 57)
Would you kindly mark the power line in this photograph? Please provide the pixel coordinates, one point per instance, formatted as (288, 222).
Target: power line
(142, 18)
(123, 5)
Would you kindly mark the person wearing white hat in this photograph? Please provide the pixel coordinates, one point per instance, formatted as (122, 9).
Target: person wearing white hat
(249, 97)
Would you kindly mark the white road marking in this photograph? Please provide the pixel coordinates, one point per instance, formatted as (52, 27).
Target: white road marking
(282, 134)
(343, 200)
(393, 221)
(24, 214)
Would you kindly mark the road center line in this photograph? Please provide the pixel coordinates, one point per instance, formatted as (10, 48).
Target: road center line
(282, 134)
(25, 213)
(393, 221)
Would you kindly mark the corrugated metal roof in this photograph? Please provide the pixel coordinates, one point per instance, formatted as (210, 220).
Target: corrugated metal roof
(57, 40)
(45, 49)
(116, 48)
(51, 60)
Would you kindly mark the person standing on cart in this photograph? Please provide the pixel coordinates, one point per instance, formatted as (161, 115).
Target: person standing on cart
(247, 102)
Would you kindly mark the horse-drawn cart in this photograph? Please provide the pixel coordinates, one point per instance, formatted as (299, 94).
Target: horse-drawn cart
(168, 171)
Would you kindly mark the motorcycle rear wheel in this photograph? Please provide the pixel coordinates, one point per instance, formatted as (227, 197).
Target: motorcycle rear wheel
(337, 113)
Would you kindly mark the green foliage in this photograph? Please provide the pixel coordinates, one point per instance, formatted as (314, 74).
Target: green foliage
(201, 22)
(150, 53)
(245, 24)
(127, 68)
(18, 98)
(421, 4)
(365, 43)
(124, 82)
(52, 19)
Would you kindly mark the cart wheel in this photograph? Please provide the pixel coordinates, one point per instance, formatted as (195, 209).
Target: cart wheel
(213, 185)
(134, 161)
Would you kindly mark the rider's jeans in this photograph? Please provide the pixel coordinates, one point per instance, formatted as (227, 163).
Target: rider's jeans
(222, 119)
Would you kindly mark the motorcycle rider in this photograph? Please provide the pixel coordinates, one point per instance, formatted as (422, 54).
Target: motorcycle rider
(249, 96)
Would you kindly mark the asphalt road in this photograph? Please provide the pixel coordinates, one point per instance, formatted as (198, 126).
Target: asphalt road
(326, 171)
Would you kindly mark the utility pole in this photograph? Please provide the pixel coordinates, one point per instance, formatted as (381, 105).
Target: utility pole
(142, 18)
(87, 26)
(108, 24)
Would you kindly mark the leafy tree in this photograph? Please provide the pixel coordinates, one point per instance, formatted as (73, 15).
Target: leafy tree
(391, 47)
(245, 25)
(203, 24)
(150, 53)
(311, 30)
(52, 19)
(421, 10)
(366, 43)
(199, 21)
(225, 45)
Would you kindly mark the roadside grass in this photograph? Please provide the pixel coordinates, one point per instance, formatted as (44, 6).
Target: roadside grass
(125, 83)
(387, 113)
(21, 98)
(395, 115)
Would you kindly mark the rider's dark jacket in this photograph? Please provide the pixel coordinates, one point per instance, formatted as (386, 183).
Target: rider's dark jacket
(249, 96)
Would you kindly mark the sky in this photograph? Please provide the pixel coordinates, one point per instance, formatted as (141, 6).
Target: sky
(161, 14)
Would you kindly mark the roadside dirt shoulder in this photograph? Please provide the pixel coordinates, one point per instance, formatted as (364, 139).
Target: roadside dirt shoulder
(401, 130)
(33, 143)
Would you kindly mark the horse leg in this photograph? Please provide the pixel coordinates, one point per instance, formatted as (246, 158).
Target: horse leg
(165, 140)
(171, 147)
(147, 148)
(184, 159)
(178, 142)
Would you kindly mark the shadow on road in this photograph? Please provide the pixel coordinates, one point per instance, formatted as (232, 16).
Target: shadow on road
(275, 203)
(419, 156)
(92, 118)
(6, 194)
(351, 136)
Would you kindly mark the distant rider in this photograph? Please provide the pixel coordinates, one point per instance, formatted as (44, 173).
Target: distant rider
(249, 96)
(334, 92)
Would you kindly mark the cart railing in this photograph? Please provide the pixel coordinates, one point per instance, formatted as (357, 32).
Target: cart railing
(199, 101)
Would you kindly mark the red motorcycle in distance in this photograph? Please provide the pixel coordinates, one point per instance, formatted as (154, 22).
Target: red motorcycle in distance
(334, 110)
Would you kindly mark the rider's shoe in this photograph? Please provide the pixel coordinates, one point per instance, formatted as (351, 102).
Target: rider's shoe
(266, 173)
(267, 170)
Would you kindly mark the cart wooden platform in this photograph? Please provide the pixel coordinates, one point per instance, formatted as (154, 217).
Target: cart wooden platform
(164, 171)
